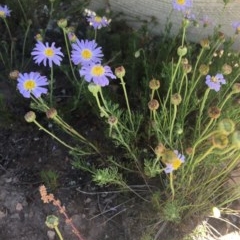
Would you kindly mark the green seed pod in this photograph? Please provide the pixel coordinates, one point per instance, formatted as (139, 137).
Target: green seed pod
(182, 51)
(226, 126)
(30, 116)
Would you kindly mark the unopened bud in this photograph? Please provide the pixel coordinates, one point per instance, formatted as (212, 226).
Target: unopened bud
(30, 116)
(205, 43)
(52, 221)
(226, 69)
(62, 23)
(120, 72)
(189, 150)
(236, 88)
(221, 36)
(187, 68)
(236, 139)
(214, 112)
(153, 104)
(220, 141)
(94, 88)
(159, 149)
(51, 113)
(39, 37)
(176, 99)
(204, 69)
(112, 120)
(182, 51)
(72, 37)
(13, 75)
(137, 54)
(226, 126)
(154, 84)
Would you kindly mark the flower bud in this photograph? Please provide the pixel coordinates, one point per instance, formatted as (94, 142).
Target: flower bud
(184, 61)
(120, 72)
(154, 84)
(39, 37)
(189, 150)
(220, 141)
(185, 22)
(112, 120)
(13, 75)
(182, 51)
(236, 139)
(236, 88)
(153, 104)
(226, 126)
(72, 37)
(226, 69)
(176, 99)
(187, 68)
(30, 116)
(205, 43)
(51, 113)
(221, 36)
(214, 112)
(94, 88)
(52, 221)
(159, 149)
(62, 23)
(204, 69)
(137, 54)
(70, 29)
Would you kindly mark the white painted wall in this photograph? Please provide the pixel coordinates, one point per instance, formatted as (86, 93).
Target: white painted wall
(162, 8)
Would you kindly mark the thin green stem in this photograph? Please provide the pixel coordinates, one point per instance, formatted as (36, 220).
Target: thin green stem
(24, 41)
(52, 135)
(126, 99)
(226, 99)
(11, 39)
(202, 107)
(172, 122)
(58, 233)
(69, 56)
(23, 12)
(51, 87)
(172, 185)
(196, 65)
(102, 110)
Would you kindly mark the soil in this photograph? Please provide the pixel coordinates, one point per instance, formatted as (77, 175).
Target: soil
(98, 213)
(25, 152)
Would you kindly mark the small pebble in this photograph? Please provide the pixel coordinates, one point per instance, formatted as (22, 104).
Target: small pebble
(51, 234)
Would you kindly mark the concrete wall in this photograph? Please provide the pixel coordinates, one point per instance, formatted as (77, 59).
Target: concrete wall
(213, 9)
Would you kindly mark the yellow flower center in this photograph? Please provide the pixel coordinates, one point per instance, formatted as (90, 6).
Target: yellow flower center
(86, 54)
(97, 71)
(2, 14)
(98, 19)
(181, 2)
(29, 84)
(176, 163)
(49, 52)
(214, 79)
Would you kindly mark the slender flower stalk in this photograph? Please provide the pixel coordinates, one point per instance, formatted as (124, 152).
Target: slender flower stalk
(68, 53)
(172, 185)
(4, 13)
(120, 73)
(202, 107)
(29, 23)
(51, 87)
